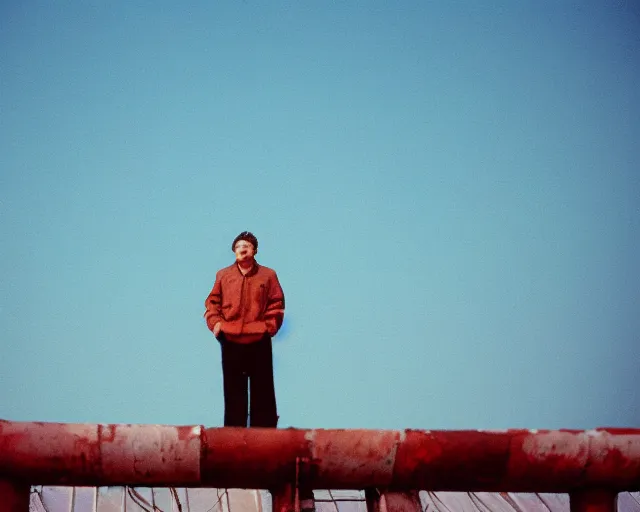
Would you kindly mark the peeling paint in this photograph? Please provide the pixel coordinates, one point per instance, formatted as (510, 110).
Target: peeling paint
(310, 436)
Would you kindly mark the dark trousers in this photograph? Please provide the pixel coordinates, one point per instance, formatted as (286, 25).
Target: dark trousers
(248, 368)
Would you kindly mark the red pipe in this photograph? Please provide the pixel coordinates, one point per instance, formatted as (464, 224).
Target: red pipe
(148, 455)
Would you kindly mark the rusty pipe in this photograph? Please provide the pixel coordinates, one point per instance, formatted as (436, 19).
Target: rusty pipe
(158, 455)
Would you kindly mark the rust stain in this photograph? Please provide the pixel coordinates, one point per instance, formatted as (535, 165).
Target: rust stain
(107, 433)
(354, 455)
(188, 433)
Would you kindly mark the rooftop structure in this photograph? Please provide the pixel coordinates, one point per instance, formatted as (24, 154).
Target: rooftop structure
(128, 499)
(387, 468)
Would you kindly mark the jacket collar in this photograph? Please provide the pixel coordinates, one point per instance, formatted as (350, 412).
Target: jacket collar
(252, 272)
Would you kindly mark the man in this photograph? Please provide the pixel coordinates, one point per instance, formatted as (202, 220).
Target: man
(244, 311)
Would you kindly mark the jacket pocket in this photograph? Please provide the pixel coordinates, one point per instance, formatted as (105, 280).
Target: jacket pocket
(263, 298)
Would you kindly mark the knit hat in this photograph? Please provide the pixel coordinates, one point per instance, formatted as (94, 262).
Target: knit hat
(249, 237)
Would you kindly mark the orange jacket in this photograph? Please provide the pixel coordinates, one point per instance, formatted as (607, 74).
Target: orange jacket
(248, 306)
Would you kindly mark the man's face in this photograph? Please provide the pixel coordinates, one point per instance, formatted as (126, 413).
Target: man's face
(244, 251)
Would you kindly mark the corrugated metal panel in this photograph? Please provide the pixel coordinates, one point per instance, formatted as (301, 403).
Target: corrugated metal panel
(340, 501)
(119, 499)
(494, 502)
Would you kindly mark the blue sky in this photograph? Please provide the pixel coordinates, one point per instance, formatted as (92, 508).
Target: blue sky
(449, 192)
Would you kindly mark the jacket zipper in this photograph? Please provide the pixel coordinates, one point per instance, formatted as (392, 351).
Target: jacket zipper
(242, 308)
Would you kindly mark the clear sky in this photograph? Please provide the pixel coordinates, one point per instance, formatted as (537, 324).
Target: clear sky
(449, 192)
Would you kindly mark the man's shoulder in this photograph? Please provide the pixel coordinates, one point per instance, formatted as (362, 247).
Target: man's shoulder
(267, 271)
(227, 270)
